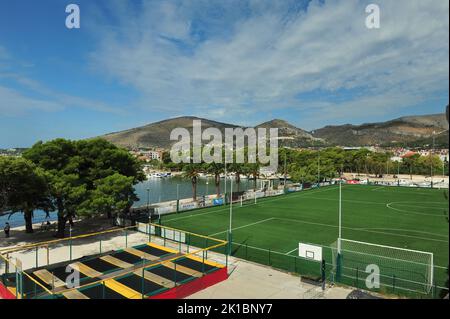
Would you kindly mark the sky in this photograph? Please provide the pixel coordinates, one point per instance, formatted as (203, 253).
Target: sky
(312, 63)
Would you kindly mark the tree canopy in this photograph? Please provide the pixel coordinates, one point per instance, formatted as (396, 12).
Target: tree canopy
(87, 177)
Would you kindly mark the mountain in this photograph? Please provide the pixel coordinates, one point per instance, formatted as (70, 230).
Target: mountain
(400, 131)
(290, 135)
(157, 135)
(408, 130)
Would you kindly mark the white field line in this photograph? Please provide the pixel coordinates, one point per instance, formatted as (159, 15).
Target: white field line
(305, 193)
(414, 204)
(362, 229)
(346, 200)
(388, 205)
(418, 191)
(378, 188)
(408, 212)
(227, 208)
(291, 251)
(248, 225)
(334, 226)
(406, 230)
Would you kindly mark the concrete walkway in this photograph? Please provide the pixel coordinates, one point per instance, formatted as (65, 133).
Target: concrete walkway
(253, 281)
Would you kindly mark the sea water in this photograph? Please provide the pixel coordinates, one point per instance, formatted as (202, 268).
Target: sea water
(159, 190)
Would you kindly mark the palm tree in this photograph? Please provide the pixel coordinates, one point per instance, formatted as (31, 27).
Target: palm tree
(238, 169)
(253, 170)
(192, 171)
(216, 169)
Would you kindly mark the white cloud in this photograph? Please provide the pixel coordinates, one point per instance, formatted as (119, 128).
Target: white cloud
(13, 103)
(271, 54)
(34, 96)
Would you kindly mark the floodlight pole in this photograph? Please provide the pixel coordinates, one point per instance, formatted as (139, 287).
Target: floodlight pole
(318, 167)
(431, 160)
(443, 169)
(178, 197)
(225, 180)
(148, 205)
(340, 216)
(284, 186)
(230, 238)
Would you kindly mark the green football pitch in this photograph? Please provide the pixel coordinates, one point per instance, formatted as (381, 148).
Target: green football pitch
(269, 231)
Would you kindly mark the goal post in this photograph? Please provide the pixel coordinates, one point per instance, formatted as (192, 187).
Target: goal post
(398, 268)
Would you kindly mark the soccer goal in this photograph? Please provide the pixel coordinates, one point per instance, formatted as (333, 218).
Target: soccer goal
(399, 268)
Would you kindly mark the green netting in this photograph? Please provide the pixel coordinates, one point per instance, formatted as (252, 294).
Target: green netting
(399, 269)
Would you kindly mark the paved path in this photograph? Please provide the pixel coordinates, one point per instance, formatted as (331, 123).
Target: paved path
(252, 281)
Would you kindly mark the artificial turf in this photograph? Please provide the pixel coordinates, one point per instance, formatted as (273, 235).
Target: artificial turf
(404, 217)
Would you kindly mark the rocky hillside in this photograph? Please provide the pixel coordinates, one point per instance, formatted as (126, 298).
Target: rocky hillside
(407, 130)
(290, 135)
(402, 130)
(157, 135)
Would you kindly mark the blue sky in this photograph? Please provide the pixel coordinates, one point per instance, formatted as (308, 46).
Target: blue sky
(312, 63)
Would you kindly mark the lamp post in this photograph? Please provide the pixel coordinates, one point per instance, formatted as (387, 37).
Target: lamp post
(443, 169)
(284, 186)
(230, 238)
(318, 167)
(431, 160)
(148, 206)
(178, 197)
(225, 181)
(338, 261)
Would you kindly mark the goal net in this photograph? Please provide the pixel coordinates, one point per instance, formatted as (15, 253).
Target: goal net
(399, 268)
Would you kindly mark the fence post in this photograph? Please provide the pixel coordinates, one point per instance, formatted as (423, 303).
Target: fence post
(203, 262)
(21, 284)
(126, 238)
(295, 264)
(7, 264)
(143, 278)
(37, 253)
(17, 283)
(393, 283)
(188, 240)
(53, 285)
(175, 272)
(163, 230)
(226, 255)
